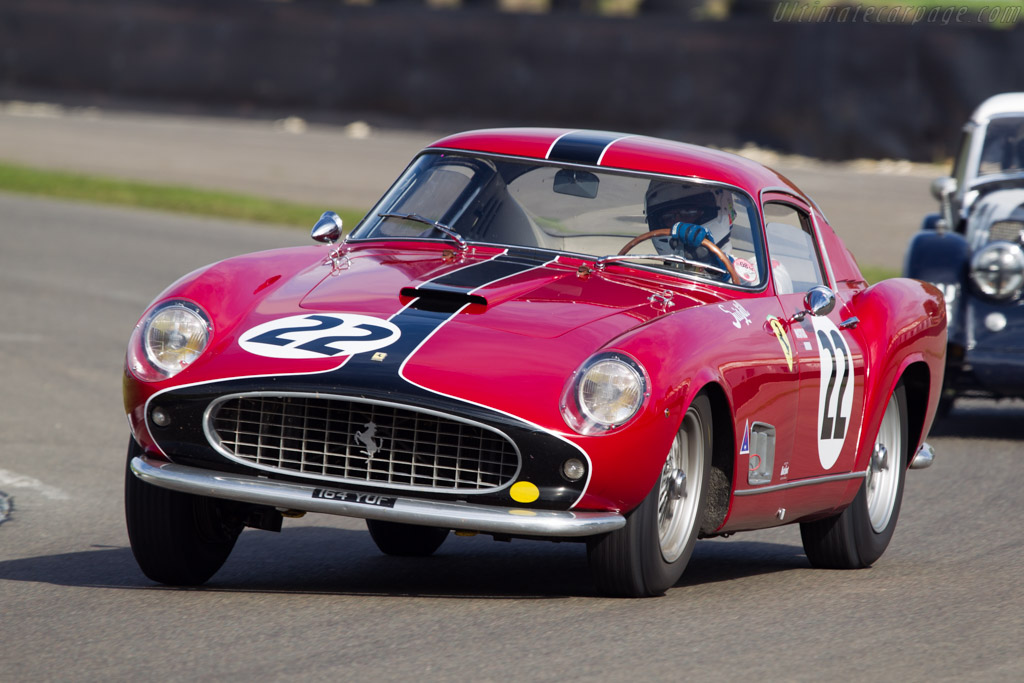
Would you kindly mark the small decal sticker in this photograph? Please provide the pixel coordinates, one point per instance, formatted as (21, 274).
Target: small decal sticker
(799, 332)
(784, 472)
(319, 335)
(808, 347)
(740, 315)
(780, 334)
(745, 445)
(835, 398)
(745, 269)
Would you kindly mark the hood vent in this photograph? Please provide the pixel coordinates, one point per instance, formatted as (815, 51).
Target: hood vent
(441, 298)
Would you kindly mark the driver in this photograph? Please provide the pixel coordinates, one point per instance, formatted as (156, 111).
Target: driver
(693, 213)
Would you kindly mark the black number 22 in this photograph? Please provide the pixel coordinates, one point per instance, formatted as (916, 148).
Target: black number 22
(321, 344)
(835, 427)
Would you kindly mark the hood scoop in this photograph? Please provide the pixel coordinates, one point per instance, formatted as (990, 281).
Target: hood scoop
(441, 298)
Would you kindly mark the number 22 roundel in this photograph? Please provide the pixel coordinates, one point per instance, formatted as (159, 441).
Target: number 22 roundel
(835, 398)
(319, 335)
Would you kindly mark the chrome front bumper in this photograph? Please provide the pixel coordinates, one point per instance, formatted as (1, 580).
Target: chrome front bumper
(924, 457)
(386, 507)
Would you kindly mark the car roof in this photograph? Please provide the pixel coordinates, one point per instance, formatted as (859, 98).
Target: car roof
(1004, 103)
(623, 151)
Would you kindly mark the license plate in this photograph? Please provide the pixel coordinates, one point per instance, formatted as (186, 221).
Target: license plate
(353, 497)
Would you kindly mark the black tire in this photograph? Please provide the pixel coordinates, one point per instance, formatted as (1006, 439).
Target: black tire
(649, 554)
(857, 537)
(178, 539)
(405, 540)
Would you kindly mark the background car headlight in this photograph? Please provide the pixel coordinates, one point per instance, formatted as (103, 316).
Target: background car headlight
(606, 392)
(998, 270)
(168, 340)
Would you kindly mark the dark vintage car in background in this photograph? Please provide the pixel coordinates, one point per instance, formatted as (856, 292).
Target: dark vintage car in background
(972, 249)
(548, 334)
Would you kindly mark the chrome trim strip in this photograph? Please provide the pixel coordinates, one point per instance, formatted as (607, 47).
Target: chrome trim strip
(924, 457)
(831, 479)
(450, 515)
(215, 440)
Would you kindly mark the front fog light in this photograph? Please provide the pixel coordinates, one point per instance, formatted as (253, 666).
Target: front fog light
(573, 469)
(998, 270)
(161, 418)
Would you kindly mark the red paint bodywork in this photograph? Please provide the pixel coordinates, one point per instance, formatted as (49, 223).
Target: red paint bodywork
(516, 354)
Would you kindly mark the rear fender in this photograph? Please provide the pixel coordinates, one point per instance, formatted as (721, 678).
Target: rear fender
(903, 324)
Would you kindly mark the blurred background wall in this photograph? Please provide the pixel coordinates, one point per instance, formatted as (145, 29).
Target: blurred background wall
(709, 73)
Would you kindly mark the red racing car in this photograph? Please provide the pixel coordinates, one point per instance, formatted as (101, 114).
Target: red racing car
(544, 334)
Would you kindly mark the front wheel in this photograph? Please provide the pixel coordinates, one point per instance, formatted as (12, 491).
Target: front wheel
(857, 537)
(649, 554)
(177, 538)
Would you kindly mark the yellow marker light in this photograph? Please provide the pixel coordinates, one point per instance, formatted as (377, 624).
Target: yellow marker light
(524, 492)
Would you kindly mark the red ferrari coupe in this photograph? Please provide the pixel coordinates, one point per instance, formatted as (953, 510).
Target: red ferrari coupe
(545, 334)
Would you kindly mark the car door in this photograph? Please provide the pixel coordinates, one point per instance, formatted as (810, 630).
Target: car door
(827, 349)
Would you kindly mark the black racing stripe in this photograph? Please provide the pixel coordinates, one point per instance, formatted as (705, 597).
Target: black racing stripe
(480, 274)
(582, 147)
(418, 323)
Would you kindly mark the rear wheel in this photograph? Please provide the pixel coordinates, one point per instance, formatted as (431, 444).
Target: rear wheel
(405, 540)
(649, 554)
(857, 537)
(177, 538)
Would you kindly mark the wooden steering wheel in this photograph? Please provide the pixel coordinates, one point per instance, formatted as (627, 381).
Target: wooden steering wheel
(711, 246)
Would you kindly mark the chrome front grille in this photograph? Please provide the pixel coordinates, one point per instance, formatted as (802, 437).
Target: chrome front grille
(1006, 231)
(348, 440)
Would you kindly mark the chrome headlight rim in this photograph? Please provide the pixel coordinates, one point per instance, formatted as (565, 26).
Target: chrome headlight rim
(997, 270)
(145, 362)
(577, 406)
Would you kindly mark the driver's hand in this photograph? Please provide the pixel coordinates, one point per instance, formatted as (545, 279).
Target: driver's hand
(689, 234)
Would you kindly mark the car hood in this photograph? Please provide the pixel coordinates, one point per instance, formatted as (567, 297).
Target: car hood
(522, 295)
(494, 329)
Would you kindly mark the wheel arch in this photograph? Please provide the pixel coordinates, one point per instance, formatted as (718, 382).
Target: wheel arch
(722, 458)
(916, 380)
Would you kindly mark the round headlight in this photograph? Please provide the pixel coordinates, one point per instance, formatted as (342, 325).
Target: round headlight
(605, 393)
(998, 269)
(168, 340)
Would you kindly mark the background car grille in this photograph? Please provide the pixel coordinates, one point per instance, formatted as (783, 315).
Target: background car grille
(347, 440)
(1006, 231)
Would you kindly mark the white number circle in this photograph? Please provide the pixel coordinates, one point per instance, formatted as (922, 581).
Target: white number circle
(835, 398)
(319, 335)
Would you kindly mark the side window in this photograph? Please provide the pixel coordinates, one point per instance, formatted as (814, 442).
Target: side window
(796, 264)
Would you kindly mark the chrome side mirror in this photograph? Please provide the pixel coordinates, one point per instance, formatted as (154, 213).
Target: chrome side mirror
(327, 229)
(943, 187)
(817, 301)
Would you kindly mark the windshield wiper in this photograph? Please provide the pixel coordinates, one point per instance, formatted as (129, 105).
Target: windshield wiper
(423, 219)
(600, 263)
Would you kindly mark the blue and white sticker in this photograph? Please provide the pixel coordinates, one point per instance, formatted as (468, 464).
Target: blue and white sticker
(319, 335)
(835, 397)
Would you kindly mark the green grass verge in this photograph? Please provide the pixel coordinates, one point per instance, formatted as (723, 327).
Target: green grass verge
(65, 185)
(875, 274)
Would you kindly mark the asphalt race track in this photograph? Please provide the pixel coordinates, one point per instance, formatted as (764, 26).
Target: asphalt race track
(319, 602)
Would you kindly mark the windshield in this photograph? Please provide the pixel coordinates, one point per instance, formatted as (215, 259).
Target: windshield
(581, 212)
(1003, 150)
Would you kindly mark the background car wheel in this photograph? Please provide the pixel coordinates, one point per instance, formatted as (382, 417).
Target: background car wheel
(405, 540)
(649, 554)
(859, 535)
(177, 538)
